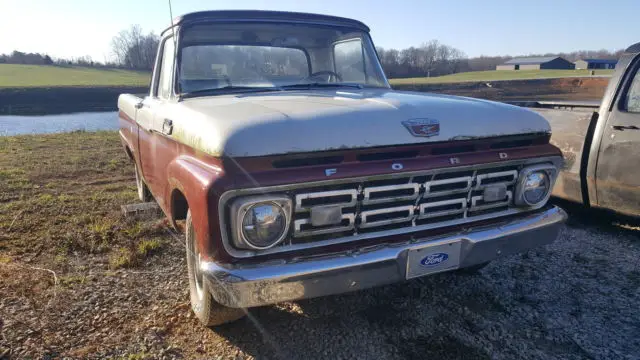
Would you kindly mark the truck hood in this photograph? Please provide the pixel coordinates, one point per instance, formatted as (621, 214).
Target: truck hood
(285, 122)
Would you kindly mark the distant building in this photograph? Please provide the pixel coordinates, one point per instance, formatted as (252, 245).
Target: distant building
(596, 63)
(536, 63)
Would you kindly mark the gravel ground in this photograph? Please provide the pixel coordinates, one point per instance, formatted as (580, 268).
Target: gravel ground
(575, 299)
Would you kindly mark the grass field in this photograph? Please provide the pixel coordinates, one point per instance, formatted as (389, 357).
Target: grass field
(61, 194)
(497, 75)
(15, 76)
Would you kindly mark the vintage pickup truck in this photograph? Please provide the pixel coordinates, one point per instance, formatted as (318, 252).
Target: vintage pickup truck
(300, 173)
(601, 148)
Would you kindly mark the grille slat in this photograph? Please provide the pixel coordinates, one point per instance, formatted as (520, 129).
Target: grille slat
(373, 218)
(390, 193)
(502, 177)
(347, 224)
(491, 205)
(437, 208)
(448, 186)
(343, 198)
(376, 204)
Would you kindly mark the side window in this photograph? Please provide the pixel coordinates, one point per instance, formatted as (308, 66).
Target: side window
(632, 99)
(348, 59)
(166, 69)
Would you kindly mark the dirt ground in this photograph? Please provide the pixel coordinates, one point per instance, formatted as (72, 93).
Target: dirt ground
(78, 280)
(541, 89)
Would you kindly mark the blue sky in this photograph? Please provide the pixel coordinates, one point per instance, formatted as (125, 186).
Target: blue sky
(72, 28)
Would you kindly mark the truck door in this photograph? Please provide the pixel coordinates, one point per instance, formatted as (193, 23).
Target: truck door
(618, 167)
(150, 138)
(145, 120)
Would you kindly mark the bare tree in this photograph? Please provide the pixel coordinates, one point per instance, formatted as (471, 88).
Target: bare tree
(427, 57)
(133, 49)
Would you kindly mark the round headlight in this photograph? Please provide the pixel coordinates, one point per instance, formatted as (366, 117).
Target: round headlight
(264, 224)
(535, 187)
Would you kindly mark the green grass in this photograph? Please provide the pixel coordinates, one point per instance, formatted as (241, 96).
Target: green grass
(497, 75)
(17, 76)
(63, 193)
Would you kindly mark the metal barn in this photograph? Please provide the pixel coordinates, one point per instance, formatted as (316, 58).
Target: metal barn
(596, 63)
(537, 63)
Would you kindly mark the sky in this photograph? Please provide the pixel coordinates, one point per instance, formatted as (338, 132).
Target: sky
(74, 28)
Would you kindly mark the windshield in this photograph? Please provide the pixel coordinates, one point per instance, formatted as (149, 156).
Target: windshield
(247, 56)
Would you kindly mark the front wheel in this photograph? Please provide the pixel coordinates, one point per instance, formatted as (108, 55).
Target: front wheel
(207, 310)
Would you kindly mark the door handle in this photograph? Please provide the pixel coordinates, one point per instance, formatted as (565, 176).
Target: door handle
(624, 127)
(167, 127)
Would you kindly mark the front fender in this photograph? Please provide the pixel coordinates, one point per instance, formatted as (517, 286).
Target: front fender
(194, 179)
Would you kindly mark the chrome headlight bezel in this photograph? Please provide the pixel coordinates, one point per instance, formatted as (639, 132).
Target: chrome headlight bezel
(241, 206)
(552, 173)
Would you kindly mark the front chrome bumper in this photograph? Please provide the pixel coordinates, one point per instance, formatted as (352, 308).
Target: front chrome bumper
(273, 282)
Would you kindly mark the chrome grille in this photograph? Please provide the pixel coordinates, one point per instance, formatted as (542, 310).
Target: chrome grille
(408, 201)
(390, 204)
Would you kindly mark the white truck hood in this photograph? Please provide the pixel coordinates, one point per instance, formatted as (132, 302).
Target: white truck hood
(284, 122)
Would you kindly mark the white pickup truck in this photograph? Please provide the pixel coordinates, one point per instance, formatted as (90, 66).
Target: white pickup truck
(301, 173)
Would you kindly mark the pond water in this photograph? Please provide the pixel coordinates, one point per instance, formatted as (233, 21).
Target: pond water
(46, 124)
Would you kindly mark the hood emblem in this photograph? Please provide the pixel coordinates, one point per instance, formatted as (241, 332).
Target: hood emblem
(422, 127)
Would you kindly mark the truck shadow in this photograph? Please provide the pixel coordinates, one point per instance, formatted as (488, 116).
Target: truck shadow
(410, 320)
(603, 220)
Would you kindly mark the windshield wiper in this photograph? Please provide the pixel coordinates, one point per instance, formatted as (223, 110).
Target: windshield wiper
(230, 89)
(320, 85)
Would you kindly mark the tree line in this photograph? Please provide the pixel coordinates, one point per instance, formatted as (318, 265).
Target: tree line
(134, 49)
(436, 59)
(18, 57)
(130, 49)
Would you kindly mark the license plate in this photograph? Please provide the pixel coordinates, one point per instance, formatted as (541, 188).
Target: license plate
(433, 259)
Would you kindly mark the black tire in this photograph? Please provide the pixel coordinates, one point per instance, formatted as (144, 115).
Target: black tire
(472, 270)
(206, 309)
(143, 191)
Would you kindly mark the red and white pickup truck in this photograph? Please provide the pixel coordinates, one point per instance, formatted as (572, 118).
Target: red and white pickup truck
(301, 173)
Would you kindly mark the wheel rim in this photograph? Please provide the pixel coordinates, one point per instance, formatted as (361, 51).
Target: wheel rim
(196, 261)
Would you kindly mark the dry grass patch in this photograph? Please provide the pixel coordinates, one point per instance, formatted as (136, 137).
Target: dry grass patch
(60, 195)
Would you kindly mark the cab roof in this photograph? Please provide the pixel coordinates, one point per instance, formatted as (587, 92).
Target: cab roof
(633, 48)
(268, 16)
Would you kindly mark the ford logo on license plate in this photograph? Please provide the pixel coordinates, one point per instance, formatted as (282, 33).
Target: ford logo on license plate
(434, 259)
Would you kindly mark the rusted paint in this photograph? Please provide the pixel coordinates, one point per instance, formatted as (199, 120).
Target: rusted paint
(618, 176)
(600, 149)
(569, 130)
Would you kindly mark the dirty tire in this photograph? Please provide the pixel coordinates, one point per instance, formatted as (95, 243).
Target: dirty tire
(143, 191)
(472, 270)
(206, 309)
